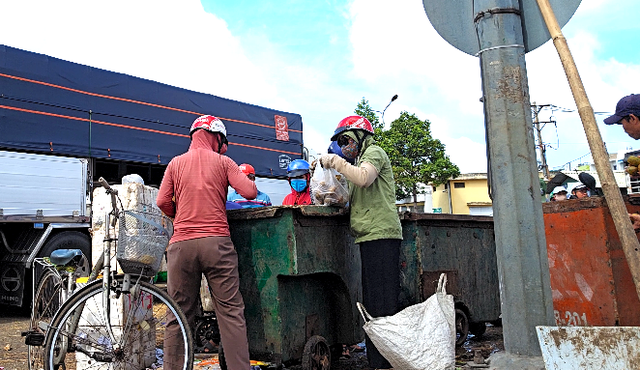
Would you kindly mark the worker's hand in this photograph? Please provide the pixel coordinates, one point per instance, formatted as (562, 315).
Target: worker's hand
(635, 221)
(328, 160)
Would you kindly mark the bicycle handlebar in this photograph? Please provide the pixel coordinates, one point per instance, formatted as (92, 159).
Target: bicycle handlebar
(114, 193)
(105, 184)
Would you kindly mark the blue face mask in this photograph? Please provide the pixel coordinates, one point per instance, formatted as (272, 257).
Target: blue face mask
(299, 185)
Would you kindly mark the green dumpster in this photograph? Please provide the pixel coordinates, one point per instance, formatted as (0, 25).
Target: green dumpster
(299, 276)
(461, 246)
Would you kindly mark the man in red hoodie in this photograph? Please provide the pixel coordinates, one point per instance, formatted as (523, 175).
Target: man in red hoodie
(194, 191)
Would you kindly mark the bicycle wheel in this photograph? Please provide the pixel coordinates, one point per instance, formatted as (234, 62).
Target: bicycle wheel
(47, 300)
(141, 320)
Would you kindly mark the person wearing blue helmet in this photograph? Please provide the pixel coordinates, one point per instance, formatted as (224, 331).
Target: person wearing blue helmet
(299, 176)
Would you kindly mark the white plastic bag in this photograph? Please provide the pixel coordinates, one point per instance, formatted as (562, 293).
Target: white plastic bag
(328, 187)
(132, 178)
(420, 337)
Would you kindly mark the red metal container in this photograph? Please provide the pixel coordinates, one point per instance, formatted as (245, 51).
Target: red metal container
(590, 278)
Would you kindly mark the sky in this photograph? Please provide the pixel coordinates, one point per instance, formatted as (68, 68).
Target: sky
(320, 58)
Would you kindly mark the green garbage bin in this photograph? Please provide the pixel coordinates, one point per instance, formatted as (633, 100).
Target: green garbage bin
(463, 247)
(300, 275)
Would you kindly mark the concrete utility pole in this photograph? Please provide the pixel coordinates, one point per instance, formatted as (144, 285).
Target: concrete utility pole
(543, 151)
(523, 267)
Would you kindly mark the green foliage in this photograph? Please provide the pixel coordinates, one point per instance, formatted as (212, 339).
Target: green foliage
(416, 157)
(363, 109)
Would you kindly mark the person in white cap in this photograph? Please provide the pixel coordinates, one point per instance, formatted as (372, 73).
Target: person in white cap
(559, 193)
(579, 191)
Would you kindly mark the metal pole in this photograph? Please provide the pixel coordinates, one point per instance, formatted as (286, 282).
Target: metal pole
(523, 267)
(543, 151)
(610, 188)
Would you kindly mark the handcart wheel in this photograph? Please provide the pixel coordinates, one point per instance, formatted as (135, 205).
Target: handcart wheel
(206, 330)
(316, 354)
(462, 327)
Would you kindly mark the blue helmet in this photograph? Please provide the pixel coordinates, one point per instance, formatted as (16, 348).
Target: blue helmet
(334, 148)
(297, 167)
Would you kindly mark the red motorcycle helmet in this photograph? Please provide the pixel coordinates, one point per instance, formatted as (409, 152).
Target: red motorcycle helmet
(247, 169)
(209, 123)
(352, 123)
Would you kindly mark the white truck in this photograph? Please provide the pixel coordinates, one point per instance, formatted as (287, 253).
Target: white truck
(43, 207)
(64, 125)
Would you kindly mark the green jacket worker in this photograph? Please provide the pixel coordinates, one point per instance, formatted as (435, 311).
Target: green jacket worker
(374, 219)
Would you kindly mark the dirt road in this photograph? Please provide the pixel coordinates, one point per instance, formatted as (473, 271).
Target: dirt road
(13, 351)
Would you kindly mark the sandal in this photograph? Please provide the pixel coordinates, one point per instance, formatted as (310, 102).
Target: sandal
(210, 347)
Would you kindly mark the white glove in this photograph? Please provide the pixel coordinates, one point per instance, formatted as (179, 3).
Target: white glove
(328, 160)
(362, 176)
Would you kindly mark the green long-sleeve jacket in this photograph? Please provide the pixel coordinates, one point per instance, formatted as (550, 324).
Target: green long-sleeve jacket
(373, 210)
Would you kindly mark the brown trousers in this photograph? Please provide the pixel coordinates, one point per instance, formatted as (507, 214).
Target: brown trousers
(217, 259)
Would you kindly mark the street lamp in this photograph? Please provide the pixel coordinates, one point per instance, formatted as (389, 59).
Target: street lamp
(385, 108)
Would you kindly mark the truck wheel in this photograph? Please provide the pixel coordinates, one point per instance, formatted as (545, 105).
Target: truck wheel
(68, 240)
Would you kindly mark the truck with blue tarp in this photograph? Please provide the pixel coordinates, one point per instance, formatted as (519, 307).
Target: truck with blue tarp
(63, 125)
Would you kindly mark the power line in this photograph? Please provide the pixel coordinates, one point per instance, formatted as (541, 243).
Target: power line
(568, 110)
(539, 125)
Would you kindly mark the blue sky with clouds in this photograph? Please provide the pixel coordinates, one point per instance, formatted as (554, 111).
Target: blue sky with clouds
(320, 58)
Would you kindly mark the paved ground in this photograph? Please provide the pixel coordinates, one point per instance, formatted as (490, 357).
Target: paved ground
(13, 352)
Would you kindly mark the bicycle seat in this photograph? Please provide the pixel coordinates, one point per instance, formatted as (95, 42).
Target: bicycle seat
(61, 257)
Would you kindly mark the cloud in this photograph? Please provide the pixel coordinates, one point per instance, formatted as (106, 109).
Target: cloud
(173, 42)
(388, 48)
(605, 79)
(395, 45)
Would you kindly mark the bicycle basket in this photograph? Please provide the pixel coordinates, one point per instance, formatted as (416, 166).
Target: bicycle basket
(142, 240)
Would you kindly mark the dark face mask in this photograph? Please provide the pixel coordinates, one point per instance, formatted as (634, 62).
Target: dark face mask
(348, 146)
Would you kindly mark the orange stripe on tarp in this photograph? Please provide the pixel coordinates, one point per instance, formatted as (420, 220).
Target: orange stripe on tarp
(131, 127)
(132, 101)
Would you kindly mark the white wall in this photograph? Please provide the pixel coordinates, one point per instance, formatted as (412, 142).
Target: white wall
(481, 211)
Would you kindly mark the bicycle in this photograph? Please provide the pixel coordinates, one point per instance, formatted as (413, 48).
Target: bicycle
(57, 282)
(120, 321)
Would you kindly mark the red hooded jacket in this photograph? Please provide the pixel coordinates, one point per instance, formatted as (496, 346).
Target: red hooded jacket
(298, 199)
(198, 181)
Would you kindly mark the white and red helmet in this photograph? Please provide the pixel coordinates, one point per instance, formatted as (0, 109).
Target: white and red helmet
(209, 123)
(352, 123)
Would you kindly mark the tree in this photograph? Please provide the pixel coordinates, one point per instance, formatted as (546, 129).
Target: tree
(364, 109)
(416, 157)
